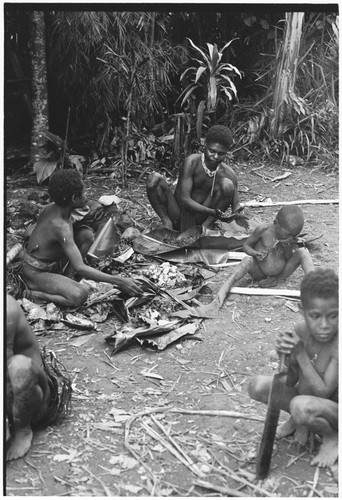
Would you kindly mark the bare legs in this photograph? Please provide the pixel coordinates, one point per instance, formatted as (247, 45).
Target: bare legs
(307, 413)
(320, 416)
(247, 265)
(163, 201)
(51, 287)
(172, 216)
(29, 393)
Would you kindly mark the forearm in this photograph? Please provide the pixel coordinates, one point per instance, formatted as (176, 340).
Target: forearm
(193, 206)
(313, 380)
(90, 273)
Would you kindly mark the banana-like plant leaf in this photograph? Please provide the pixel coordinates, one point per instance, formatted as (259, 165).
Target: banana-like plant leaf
(199, 50)
(44, 168)
(189, 90)
(210, 49)
(199, 73)
(192, 68)
(212, 93)
(227, 44)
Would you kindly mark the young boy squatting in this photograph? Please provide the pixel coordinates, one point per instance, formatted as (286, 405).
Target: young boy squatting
(311, 392)
(272, 251)
(51, 244)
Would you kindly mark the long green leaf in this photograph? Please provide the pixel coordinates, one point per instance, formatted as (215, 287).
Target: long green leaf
(200, 71)
(190, 90)
(205, 57)
(227, 44)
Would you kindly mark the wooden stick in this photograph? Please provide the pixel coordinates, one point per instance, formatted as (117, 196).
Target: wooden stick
(218, 413)
(253, 203)
(283, 292)
(226, 491)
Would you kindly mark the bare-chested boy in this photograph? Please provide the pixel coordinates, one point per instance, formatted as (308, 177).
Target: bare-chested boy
(51, 245)
(311, 393)
(272, 251)
(206, 187)
(30, 400)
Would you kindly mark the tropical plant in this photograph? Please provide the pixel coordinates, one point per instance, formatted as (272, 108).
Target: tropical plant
(211, 82)
(60, 157)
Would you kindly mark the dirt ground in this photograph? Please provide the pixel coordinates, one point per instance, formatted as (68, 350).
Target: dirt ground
(191, 454)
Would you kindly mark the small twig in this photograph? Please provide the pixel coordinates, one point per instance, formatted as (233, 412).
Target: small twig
(110, 362)
(175, 444)
(226, 491)
(294, 460)
(39, 474)
(230, 473)
(314, 484)
(107, 490)
(172, 450)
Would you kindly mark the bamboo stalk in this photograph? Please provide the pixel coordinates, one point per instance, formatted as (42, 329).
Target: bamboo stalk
(280, 203)
(284, 292)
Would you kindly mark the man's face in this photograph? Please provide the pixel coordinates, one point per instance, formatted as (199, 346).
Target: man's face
(321, 317)
(214, 154)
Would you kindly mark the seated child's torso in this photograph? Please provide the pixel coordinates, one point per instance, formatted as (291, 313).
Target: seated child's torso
(277, 256)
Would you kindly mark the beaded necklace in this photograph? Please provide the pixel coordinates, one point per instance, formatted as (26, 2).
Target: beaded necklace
(211, 173)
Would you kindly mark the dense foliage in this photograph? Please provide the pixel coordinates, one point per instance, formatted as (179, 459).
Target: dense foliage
(159, 79)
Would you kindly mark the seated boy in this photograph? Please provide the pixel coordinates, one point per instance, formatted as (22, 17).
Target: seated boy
(51, 245)
(272, 251)
(311, 392)
(206, 187)
(33, 399)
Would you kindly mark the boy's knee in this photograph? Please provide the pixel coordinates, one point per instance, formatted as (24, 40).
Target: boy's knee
(301, 409)
(79, 296)
(255, 388)
(20, 369)
(226, 186)
(153, 179)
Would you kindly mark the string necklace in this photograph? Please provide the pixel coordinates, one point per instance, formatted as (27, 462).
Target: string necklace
(210, 173)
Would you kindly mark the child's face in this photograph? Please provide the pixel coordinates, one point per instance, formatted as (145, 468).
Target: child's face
(321, 317)
(214, 153)
(281, 232)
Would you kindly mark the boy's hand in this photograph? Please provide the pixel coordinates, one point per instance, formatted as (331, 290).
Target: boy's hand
(129, 286)
(286, 342)
(261, 254)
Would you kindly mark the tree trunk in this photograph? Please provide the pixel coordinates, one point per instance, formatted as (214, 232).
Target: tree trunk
(40, 114)
(286, 72)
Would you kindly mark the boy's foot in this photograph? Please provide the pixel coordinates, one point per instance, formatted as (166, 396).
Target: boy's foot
(19, 444)
(301, 435)
(328, 452)
(286, 428)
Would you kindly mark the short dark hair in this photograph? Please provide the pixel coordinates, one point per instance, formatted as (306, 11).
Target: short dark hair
(221, 135)
(319, 283)
(291, 218)
(63, 185)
